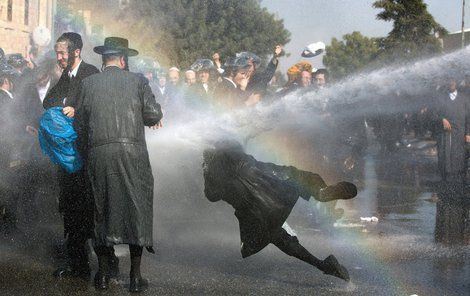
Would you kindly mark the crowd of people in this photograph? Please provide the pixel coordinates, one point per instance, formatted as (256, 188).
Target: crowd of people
(29, 87)
(237, 82)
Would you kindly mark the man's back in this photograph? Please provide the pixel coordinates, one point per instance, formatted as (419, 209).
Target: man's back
(117, 105)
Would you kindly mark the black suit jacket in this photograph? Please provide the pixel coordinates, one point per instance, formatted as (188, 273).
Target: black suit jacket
(451, 146)
(5, 109)
(29, 104)
(196, 95)
(6, 132)
(65, 92)
(4, 98)
(229, 95)
(259, 82)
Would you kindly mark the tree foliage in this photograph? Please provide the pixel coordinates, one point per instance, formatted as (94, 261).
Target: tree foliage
(353, 53)
(413, 36)
(414, 29)
(180, 31)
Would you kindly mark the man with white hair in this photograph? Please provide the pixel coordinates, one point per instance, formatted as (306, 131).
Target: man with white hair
(189, 77)
(174, 76)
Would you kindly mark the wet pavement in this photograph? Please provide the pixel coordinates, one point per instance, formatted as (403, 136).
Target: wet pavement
(198, 241)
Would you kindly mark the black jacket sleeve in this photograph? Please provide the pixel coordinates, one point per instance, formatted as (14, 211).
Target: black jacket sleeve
(152, 112)
(467, 114)
(80, 122)
(84, 71)
(55, 96)
(259, 81)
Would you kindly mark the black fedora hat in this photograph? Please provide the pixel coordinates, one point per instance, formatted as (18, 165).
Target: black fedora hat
(115, 45)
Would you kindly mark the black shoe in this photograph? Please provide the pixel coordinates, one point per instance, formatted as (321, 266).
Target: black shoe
(61, 272)
(67, 271)
(332, 267)
(137, 284)
(342, 190)
(101, 281)
(114, 267)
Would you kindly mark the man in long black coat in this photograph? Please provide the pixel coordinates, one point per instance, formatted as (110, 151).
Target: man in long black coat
(33, 171)
(116, 106)
(7, 74)
(263, 195)
(227, 93)
(75, 201)
(258, 81)
(200, 94)
(7, 197)
(33, 93)
(452, 118)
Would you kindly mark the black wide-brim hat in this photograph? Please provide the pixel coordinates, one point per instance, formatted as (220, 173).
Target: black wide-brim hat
(115, 45)
(8, 70)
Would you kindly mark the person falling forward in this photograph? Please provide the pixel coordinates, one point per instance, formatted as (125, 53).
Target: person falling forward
(263, 195)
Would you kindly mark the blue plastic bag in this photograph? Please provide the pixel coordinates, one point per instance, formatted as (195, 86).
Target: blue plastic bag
(57, 139)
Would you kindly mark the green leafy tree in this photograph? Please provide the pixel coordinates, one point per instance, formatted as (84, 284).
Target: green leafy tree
(352, 54)
(413, 36)
(414, 29)
(180, 31)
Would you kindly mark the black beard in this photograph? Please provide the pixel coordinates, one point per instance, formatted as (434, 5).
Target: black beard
(126, 59)
(69, 64)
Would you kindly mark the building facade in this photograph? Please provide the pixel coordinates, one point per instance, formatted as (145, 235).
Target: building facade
(18, 19)
(453, 41)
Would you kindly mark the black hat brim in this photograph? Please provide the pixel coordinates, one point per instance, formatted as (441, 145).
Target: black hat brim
(309, 54)
(104, 50)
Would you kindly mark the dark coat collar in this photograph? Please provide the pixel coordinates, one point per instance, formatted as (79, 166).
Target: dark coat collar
(111, 68)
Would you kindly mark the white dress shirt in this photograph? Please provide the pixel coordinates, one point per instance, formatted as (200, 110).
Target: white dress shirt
(162, 90)
(74, 72)
(8, 93)
(453, 95)
(42, 90)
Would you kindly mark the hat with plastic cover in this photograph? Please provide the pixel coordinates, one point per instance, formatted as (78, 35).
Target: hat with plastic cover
(202, 65)
(313, 49)
(8, 70)
(293, 73)
(144, 64)
(237, 63)
(16, 60)
(250, 57)
(161, 73)
(229, 62)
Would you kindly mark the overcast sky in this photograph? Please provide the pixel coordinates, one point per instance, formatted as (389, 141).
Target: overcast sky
(320, 20)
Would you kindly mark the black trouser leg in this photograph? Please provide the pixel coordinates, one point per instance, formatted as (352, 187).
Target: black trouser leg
(77, 252)
(311, 183)
(137, 283)
(104, 254)
(136, 257)
(102, 276)
(291, 246)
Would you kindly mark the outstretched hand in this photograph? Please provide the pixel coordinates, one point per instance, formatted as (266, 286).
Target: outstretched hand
(277, 50)
(158, 125)
(446, 124)
(32, 130)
